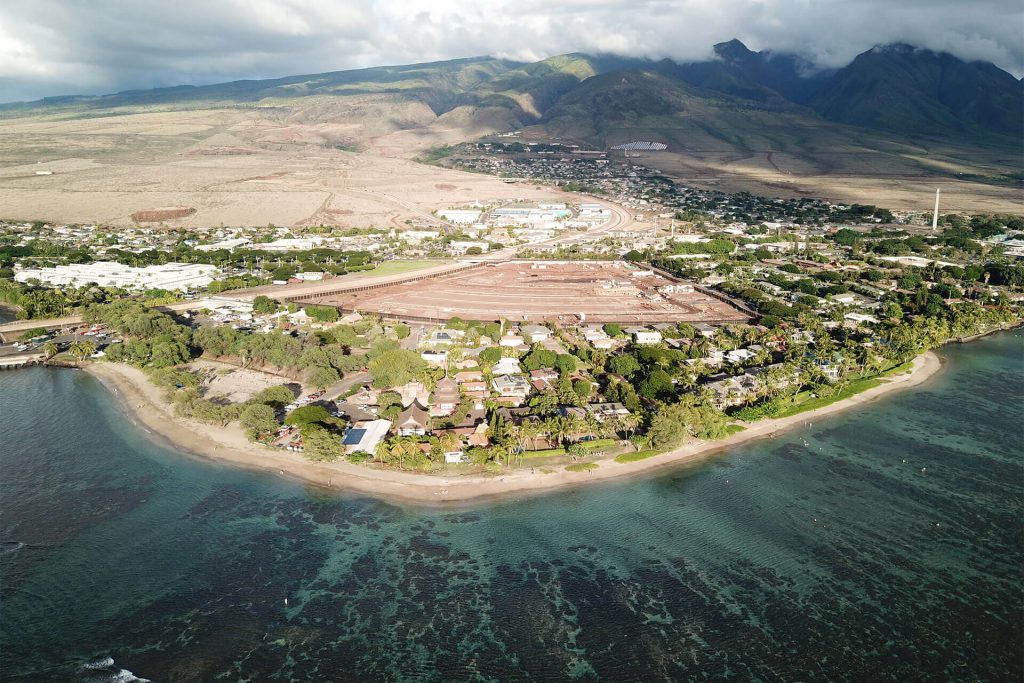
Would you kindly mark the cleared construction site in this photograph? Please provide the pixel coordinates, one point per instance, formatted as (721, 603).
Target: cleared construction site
(539, 291)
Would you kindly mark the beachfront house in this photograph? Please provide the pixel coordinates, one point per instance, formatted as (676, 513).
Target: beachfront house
(414, 420)
(365, 436)
(605, 411)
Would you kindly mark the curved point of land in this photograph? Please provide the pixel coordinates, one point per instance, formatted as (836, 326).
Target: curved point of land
(229, 445)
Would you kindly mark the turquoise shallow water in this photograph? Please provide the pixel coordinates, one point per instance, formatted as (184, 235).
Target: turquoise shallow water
(820, 555)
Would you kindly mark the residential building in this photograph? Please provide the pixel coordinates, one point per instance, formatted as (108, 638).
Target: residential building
(506, 366)
(446, 398)
(644, 336)
(511, 386)
(535, 333)
(604, 411)
(414, 420)
(366, 436)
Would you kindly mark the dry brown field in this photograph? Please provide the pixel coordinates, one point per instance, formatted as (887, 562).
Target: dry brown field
(537, 291)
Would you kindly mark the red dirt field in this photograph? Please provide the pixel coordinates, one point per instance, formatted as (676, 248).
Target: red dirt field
(540, 291)
(164, 214)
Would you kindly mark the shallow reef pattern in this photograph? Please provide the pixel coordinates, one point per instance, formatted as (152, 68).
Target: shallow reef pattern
(883, 544)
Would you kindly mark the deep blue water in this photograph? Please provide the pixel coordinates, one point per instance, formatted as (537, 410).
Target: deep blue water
(829, 553)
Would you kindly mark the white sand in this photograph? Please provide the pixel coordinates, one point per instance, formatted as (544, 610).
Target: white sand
(228, 444)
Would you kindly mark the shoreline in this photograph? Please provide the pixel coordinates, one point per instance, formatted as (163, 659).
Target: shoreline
(229, 445)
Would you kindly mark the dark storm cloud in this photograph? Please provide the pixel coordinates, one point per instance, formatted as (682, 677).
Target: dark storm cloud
(51, 47)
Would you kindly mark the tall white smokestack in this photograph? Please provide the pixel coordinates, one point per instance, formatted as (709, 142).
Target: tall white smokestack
(935, 214)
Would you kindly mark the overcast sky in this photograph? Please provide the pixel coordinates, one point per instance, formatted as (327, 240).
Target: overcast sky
(60, 47)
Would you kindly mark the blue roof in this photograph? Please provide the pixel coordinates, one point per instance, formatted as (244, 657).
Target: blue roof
(353, 437)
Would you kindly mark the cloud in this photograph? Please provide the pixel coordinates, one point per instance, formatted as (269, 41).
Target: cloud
(54, 47)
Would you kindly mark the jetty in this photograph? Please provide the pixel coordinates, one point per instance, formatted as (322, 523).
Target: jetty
(11, 361)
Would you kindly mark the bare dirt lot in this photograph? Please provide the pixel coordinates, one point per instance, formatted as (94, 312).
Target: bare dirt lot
(236, 385)
(540, 291)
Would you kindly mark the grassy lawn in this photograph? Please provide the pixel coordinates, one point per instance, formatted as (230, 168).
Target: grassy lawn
(809, 403)
(547, 453)
(589, 446)
(898, 369)
(581, 467)
(396, 268)
(733, 429)
(634, 457)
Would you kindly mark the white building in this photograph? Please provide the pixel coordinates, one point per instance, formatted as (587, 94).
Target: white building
(169, 276)
(419, 235)
(642, 336)
(291, 244)
(460, 216)
(366, 436)
(237, 243)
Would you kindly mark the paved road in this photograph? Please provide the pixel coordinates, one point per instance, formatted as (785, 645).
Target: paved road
(14, 329)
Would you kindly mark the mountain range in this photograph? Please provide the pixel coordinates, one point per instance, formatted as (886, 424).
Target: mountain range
(895, 88)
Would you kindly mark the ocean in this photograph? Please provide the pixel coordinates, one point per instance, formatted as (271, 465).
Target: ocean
(881, 544)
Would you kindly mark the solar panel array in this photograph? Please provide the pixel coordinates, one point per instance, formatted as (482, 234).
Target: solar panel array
(642, 145)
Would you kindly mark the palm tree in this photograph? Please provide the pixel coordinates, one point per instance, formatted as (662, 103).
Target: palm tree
(50, 349)
(529, 430)
(628, 424)
(82, 350)
(575, 425)
(557, 429)
(450, 443)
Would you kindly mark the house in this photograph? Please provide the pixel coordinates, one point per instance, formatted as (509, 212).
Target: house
(455, 457)
(439, 358)
(604, 411)
(739, 355)
(506, 366)
(705, 330)
(413, 392)
(729, 391)
(535, 333)
(511, 340)
(543, 379)
(446, 398)
(365, 436)
(598, 338)
(861, 319)
(413, 420)
(469, 376)
(476, 390)
(831, 371)
(444, 337)
(643, 336)
(511, 386)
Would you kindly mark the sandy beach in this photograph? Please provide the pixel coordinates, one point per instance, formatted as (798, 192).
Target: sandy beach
(229, 445)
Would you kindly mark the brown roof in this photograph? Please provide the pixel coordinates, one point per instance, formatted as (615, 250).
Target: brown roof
(447, 391)
(416, 414)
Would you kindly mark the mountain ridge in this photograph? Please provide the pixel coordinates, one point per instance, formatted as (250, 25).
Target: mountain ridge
(895, 89)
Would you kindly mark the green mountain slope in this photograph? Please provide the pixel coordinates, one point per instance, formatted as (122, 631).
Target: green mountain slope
(914, 91)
